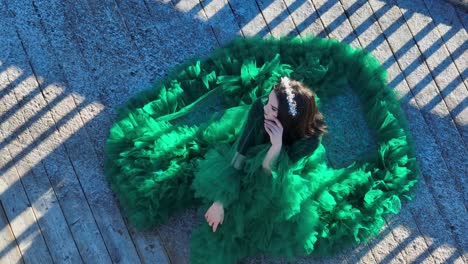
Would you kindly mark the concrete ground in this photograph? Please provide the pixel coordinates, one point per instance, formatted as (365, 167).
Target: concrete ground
(65, 67)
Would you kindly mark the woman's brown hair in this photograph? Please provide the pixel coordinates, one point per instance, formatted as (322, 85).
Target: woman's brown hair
(308, 122)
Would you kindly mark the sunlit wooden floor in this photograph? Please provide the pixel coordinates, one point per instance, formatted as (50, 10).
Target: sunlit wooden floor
(65, 66)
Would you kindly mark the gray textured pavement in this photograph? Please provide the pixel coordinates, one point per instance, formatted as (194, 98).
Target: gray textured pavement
(65, 66)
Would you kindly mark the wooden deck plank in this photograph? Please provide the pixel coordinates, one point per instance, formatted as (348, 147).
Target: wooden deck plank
(443, 72)
(222, 20)
(441, 66)
(61, 171)
(20, 215)
(9, 250)
(462, 17)
(159, 49)
(277, 17)
(445, 21)
(361, 253)
(77, 74)
(146, 37)
(285, 23)
(183, 35)
(81, 152)
(14, 199)
(142, 25)
(85, 156)
(176, 234)
(148, 249)
(16, 205)
(78, 79)
(149, 246)
(192, 9)
(454, 38)
(335, 21)
(249, 18)
(307, 20)
(367, 29)
(431, 160)
(27, 159)
(336, 24)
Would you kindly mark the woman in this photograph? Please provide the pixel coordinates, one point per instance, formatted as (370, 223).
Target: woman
(269, 188)
(280, 109)
(289, 121)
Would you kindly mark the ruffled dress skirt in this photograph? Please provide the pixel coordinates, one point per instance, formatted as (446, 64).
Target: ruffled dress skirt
(171, 148)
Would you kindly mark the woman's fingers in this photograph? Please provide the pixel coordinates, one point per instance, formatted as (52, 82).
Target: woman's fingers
(214, 218)
(275, 125)
(213, 223)
(267, 129)
(272, 126)
(277, 122)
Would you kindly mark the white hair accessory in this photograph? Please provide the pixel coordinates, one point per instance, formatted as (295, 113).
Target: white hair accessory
(290, 95)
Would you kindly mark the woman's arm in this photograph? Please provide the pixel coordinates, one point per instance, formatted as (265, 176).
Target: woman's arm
(270, 157)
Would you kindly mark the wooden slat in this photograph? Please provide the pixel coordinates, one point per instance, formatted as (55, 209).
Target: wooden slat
(335, 21)
(17, 206)
(9, 250)
(221, 18)
(147, 38)
(367, 29)
(27, 159)
(463, 18)
(406, 236)
(142, 25)
(306, 19)
(431, 221)
(249, 18)
(454, 93)
(454, 37)
(183, 35)
(336, 25)
(277, 17)
(87, 167)
(360, 253)
(452, 90)
(176, 233)
(86, 158)
(149, 246)
(15, 202)
(18, 210)
(61, 171)
(191, 9)
(145, 34)
(365, 39)
(446, 22)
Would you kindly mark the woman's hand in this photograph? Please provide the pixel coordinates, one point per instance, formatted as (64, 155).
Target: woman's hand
(215, 215)
(275, 130)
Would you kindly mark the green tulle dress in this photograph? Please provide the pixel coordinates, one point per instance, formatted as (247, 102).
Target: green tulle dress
(173, 147)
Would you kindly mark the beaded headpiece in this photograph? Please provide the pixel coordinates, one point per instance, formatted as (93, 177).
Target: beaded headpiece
(289, 95)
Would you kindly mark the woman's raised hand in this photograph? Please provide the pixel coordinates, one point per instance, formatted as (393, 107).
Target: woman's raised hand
(215, 215)
(275, 130)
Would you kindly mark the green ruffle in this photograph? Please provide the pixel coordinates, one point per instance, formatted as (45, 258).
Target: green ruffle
(171, 146)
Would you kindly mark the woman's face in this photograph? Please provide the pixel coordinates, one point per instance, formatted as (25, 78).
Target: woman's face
(271, 107)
